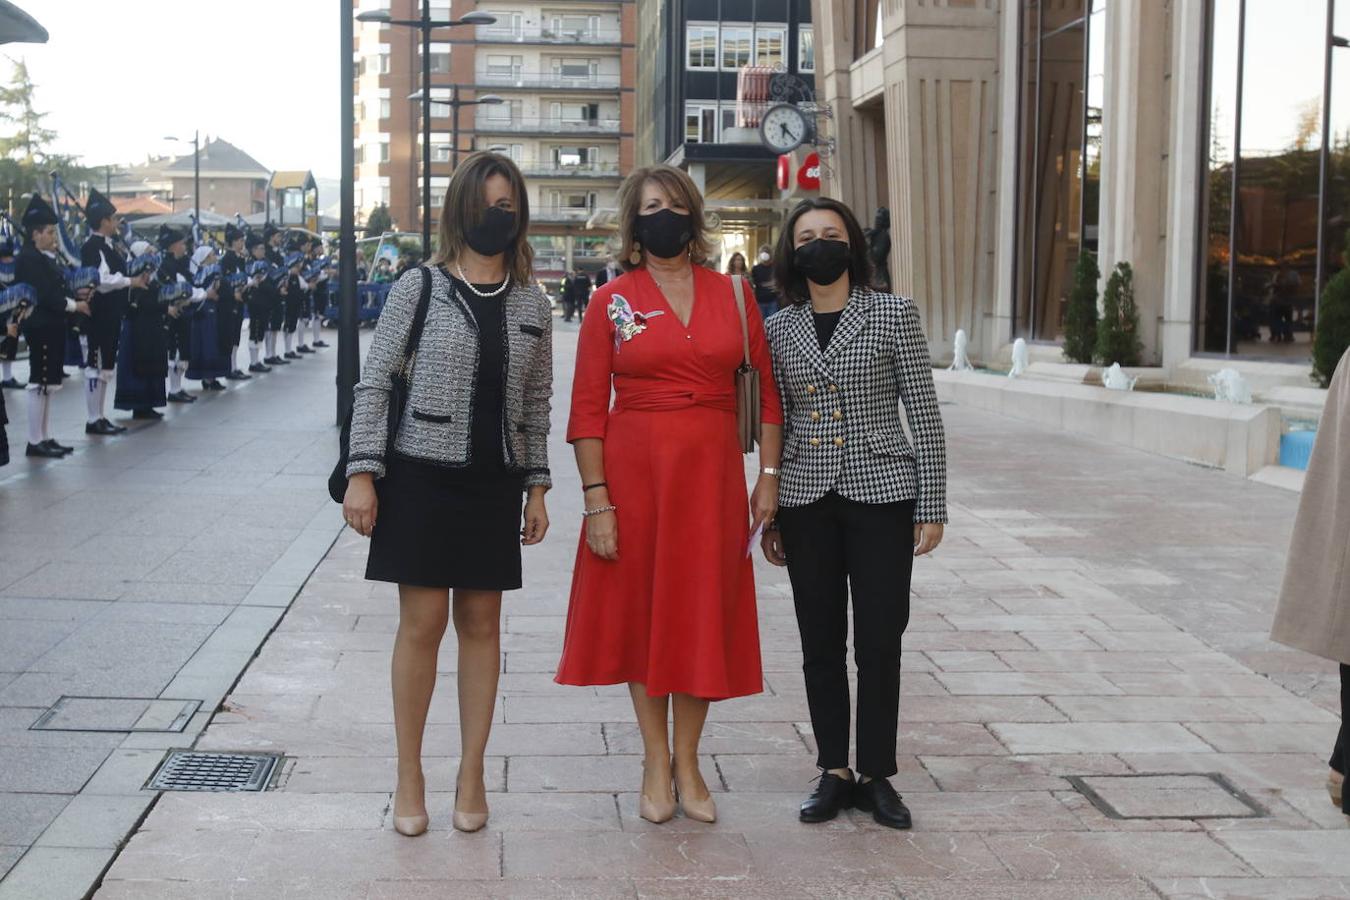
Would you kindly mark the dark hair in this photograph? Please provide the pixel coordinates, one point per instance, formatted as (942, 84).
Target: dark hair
(680, 188)
(791, 283)
(464, 206)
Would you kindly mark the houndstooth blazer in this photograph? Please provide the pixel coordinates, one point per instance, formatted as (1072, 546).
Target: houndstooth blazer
(843, 430)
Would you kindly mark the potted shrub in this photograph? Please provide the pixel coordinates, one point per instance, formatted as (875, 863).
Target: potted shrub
(1080, 319)
(1118, 329)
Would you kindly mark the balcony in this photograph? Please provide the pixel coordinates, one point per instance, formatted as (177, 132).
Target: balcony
(547, 80)
(547, 125)
(497, 34)
(549, 169)
(560, 214)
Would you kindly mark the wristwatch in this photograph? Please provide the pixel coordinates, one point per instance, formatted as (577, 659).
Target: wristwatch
(769, 470)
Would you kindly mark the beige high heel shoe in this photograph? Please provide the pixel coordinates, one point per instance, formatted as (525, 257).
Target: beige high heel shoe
(411, 826)
(704, 810)
(651, 810)
(466, 821)
(1336, 790)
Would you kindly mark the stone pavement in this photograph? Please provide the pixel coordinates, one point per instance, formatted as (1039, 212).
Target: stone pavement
(1094, 612)
(150, 565)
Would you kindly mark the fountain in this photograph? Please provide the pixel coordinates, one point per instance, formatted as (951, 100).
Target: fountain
(1021, 358)
(1231, 387)
(960, 356)
(1115, 379)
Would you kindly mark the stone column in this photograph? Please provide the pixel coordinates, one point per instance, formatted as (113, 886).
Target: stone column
(1134, 156)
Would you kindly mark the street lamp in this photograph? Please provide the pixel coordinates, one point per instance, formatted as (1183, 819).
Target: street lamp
(196, 173)
(426, 24)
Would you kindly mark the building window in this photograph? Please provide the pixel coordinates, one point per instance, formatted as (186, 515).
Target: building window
(736, 49)
(384, 109)
(806, 49)
(505, 66)
(440, 63)
(700, 123)
(769, 43)
(1059, 157)
(440, 152)
(701, 47)
(383, 67)
(575, 28)
(384, 151)
(575, 68)
(1263, 269)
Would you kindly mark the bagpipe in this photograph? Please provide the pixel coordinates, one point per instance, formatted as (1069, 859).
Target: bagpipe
(176, 295)
(146, 262)
(16, 300)
(208, 277)
(11, 238)
(68, 223)
(79, 278)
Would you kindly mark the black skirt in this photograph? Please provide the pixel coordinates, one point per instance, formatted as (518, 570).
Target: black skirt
(435, 527)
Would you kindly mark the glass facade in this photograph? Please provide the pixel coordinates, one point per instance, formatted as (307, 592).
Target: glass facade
(1275, 192)
(1062, 55)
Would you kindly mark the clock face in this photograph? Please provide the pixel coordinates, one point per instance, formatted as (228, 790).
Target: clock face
(783, 128)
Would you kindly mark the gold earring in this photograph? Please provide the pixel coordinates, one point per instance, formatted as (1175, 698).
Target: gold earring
(636, 256)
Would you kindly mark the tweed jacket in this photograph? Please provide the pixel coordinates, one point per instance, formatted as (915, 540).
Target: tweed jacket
(841, 407)
(438, 419)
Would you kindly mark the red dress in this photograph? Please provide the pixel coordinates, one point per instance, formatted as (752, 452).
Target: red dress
(676, 611)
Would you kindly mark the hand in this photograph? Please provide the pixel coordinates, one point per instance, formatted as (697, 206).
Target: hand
(83, 294)
(764, 502)
(141, 281)
(173, 312)
(82, 307)
(12, 329)
(772, 545)
(927, 536)
(359, 504)
(536, 519)
(602, 535)
(213, 293)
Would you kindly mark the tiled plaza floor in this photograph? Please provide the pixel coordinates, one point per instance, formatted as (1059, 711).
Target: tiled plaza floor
(1093, 612)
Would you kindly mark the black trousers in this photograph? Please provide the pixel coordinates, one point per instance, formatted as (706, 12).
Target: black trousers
(1340, 755)
(104, 333)
(835, 547)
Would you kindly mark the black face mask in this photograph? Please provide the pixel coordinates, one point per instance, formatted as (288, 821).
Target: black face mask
(822, 261)
(665, 233)
(494, 232)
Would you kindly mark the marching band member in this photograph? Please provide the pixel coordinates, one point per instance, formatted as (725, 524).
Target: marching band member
(319, 296)
(9, 339)
(45, 326)
(276, 315)
(176, 267)
(295, 292)
(206, 362)
(258, 302)
(230, 307)
(142, 360)
(109, 305)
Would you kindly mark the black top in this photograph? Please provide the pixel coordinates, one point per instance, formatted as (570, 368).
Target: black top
(486, 435)
(761, 275)
(47, 278)
(826, 323)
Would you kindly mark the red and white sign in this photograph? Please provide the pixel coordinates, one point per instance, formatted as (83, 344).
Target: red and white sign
(808, 176)
(784, 172)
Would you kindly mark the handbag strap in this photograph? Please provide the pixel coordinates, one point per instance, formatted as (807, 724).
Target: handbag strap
(738, 285)
(419, 320)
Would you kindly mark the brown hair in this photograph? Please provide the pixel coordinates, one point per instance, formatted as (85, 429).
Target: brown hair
(464, 206)
(681, 189)
(791, 283)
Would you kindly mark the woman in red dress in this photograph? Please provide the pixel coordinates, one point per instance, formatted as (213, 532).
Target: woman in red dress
(663, 593)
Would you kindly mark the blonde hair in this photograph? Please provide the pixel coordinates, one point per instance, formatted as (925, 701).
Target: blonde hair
(680, 188)
(464, 206)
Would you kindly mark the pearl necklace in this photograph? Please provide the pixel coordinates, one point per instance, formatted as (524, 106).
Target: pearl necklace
(484, 294)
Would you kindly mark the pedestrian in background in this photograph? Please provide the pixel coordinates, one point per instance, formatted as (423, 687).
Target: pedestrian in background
(736, 265)
(761, 275)
(1314, 609)
(568, 295)
(441, 498)
(663, 591)
(581, 291)
(857, 501)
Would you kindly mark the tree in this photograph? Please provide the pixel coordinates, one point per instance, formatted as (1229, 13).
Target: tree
(379, 221)
(1080, 319)
(26, 158)
(1333, 322)
(1118, 329)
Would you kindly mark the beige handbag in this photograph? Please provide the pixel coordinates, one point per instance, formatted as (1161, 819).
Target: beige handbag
(748, 410)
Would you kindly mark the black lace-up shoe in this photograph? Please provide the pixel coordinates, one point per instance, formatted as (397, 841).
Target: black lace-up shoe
(880, 799)
(832, 794)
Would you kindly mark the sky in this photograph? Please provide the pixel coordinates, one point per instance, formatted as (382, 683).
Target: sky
(117, 76)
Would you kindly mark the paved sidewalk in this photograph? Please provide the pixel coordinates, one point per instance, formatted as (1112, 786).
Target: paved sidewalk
(1093, 612)
(150, 565)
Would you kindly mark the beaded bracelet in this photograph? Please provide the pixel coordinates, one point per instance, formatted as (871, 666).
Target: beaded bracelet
(586, 514)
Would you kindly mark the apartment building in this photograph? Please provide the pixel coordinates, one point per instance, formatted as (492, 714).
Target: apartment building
(562, 72)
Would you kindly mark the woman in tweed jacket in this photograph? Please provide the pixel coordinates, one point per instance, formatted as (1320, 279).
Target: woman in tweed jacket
(442, 504)
(857, 500)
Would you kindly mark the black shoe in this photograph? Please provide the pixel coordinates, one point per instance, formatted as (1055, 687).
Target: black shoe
(42, 451)
(116, 428)
(182, 397)
(880, 799)
(101, 427)
(212, 385)
(12, 384)
(237, 375)
(59, 448)
(259, 368)
(292, 355)
(277, 361)
(832, 794)
(152, 414)
(303, 348)
(319, 345)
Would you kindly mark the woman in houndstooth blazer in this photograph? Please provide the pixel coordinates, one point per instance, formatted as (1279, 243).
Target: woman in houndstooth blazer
(857, 500)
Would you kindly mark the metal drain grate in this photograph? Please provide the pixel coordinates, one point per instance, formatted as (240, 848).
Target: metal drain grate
(1167, 795)
(190, 770)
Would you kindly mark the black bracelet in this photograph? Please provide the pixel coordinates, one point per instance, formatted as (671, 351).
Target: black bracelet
(591, 487)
